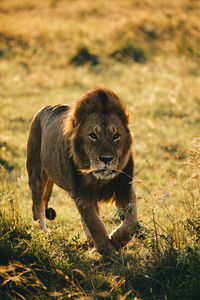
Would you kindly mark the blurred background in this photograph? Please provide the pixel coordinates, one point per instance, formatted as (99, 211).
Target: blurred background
(45, 40)
(148, 52)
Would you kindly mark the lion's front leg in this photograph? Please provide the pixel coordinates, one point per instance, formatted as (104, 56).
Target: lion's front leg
(123, 234)
(97, 229)
(85, 229)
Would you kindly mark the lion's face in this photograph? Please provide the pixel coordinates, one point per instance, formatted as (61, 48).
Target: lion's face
(104, 142)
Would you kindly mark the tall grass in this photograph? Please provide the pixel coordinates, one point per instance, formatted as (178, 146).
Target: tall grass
(148, 53)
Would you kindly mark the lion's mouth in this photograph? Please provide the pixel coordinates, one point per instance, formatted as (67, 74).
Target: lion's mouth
(104, 174)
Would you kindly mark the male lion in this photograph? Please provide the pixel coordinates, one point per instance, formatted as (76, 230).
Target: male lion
(85, 150)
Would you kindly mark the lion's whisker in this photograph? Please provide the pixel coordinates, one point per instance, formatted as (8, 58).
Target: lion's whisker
(123, 173)
(88, 171)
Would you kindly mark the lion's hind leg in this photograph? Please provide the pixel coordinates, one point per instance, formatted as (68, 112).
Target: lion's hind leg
(41, 191)
(39, 182)
(37, 177)
(37, 187)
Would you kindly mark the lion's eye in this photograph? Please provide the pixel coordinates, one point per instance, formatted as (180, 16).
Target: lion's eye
(93, 137)
(116, 137)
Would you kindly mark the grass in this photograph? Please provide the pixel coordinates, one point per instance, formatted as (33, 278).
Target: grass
(147, 52)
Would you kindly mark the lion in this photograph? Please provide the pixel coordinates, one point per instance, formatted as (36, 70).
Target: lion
(86, 151)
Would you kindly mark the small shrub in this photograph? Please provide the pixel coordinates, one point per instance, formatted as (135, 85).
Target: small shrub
(84, 56)
(131, 50)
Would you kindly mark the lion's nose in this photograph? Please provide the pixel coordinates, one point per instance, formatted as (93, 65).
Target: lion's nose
(106, 160)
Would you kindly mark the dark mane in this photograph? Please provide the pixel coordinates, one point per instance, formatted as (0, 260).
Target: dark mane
(99, 100)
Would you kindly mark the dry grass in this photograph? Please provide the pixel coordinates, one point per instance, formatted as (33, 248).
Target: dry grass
(148, 53)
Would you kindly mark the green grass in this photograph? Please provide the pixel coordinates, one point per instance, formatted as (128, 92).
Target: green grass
(148, 53)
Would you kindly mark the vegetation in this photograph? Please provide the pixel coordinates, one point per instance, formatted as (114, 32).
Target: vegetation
(148, 53)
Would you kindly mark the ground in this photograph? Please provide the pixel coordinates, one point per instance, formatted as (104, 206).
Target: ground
(50, 53)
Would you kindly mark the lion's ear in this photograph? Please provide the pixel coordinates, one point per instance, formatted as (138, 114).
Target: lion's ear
(70, 122)
(81, 110)
(74, 117)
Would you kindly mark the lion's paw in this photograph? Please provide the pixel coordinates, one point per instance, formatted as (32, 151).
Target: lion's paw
(106, 249)
(118, 240)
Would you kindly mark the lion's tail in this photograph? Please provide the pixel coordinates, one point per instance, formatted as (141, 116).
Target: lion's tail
(50, 213)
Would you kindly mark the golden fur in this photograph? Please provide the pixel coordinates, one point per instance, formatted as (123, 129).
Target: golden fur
(86, 150)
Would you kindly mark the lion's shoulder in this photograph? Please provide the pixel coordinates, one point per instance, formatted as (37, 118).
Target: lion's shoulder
(57, 109)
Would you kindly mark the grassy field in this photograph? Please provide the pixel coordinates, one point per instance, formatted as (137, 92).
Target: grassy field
(148, 52)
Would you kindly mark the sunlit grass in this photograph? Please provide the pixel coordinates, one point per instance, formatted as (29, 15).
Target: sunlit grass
(148, 53)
